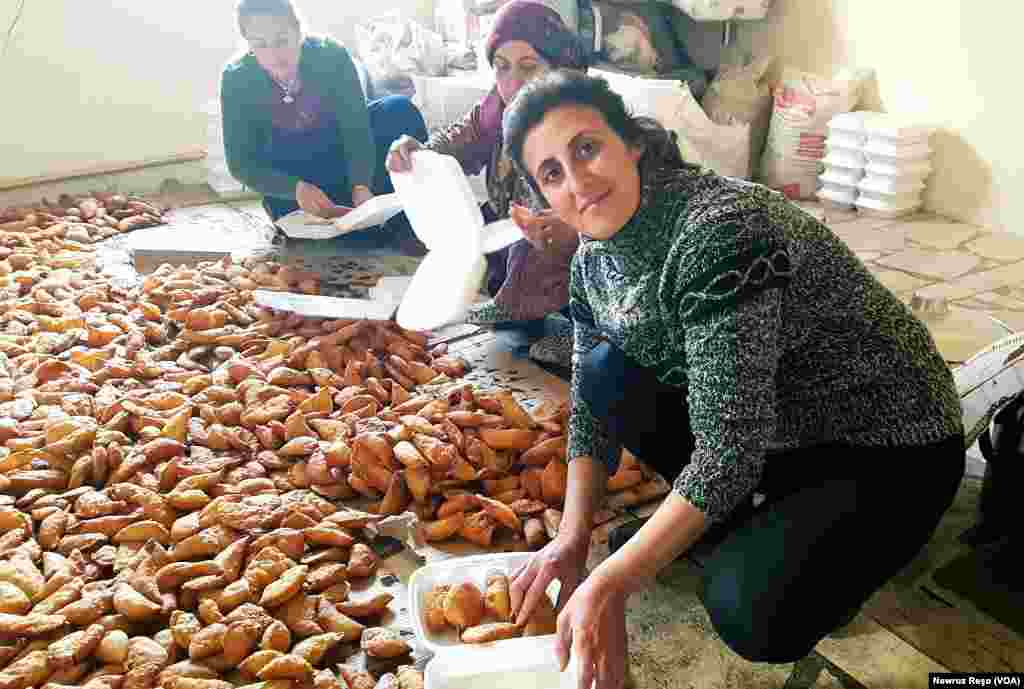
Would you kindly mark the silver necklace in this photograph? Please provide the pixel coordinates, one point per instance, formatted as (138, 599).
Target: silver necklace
(288, 89)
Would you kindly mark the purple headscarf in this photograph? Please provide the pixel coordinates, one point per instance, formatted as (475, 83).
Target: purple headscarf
(540, 26)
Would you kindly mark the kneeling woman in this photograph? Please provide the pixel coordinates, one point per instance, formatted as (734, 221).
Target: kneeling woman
(733, 343)
(297, 127)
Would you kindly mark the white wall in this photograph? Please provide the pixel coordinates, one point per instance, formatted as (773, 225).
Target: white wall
(952, 63)
(88, 83)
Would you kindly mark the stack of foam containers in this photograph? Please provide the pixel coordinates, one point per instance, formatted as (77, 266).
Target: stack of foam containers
(897, 158)
(844, 160)
(875, 162)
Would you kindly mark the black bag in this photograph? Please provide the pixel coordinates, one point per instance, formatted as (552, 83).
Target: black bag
(1002, 444)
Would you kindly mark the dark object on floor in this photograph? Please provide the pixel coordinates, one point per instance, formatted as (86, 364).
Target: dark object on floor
(1003, 448)
(989, 579)
(987, 575)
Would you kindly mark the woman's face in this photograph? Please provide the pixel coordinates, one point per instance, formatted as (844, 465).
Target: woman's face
(587, 173)
(515, 63)
(276, 43)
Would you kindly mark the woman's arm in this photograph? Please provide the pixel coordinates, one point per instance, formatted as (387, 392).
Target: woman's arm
(245, 133)
(592, 457)
(464, 141)
(353, 117)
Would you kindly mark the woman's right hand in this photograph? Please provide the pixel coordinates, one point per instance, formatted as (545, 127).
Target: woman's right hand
(563, 559)
(312, 199)
(400, 153)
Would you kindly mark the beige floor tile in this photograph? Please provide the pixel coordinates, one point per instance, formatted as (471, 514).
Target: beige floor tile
(969, 285)
(939, 233)
(1001, 246)
(1014, 320)
(869, 256)
(1001, 300)
(860, 225)
(888, 240)
(897, 281)
(945, 265)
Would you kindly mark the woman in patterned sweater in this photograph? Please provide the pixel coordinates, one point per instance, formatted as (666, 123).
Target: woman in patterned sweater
(733, 343)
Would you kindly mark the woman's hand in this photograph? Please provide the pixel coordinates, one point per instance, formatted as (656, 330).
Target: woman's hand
(542, 229)
(312, 199)
(592, 627)
(564, 559)
(360, 195)
(400, 153)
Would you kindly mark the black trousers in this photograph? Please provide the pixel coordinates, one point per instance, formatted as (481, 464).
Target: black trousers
(837, 523)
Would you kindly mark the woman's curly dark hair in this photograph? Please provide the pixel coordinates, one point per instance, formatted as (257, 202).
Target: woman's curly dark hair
(536, 99)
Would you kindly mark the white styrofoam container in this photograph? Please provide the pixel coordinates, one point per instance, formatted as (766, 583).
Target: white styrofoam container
(851, 123)
(918, 170)
(882, 209)
(838, 195)
(896, 200)
(890, 185)
(528, 661)
(835, 174)
(844, 157)
(896, 129)
(444, 213)
(886, 149)
(837, 139)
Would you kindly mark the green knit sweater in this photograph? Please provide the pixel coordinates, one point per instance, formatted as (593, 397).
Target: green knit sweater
(779, 334)
(247, 94)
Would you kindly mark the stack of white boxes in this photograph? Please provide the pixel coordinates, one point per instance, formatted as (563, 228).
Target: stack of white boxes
(875, 162)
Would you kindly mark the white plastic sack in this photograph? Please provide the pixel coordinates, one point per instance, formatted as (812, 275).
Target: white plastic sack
(722, 148)
(740, 93)
(724, 10)
(803, 105)
(392, 47)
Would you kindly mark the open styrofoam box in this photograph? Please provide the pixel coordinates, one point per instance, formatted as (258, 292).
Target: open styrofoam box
(445, 214)
(520, 663)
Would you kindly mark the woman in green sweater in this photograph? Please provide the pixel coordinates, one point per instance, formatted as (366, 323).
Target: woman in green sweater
(736, 345)
(297, 127)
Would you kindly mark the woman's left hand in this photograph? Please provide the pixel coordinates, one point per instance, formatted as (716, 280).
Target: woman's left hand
(360, 195)
(592, 625)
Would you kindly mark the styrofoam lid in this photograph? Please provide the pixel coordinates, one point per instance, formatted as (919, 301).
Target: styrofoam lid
(439, 201)
(443, 288)
(919, 169)
(851, 121)
(897, 126)
(523, 663)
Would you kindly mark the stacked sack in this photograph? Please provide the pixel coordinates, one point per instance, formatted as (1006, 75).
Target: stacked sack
(876, 162)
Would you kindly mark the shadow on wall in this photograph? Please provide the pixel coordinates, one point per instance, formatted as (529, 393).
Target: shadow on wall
(961, 183)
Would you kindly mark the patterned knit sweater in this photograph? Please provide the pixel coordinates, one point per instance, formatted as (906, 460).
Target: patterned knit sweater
(779, 334)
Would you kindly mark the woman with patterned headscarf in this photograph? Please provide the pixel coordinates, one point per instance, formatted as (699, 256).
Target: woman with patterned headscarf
(531, 278)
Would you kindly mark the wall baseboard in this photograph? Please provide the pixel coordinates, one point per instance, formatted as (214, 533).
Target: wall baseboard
(8, 184)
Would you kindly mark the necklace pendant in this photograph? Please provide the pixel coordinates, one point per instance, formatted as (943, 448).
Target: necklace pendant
(287, 98)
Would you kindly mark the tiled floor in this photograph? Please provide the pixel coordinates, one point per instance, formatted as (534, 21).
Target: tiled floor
(974, 270)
